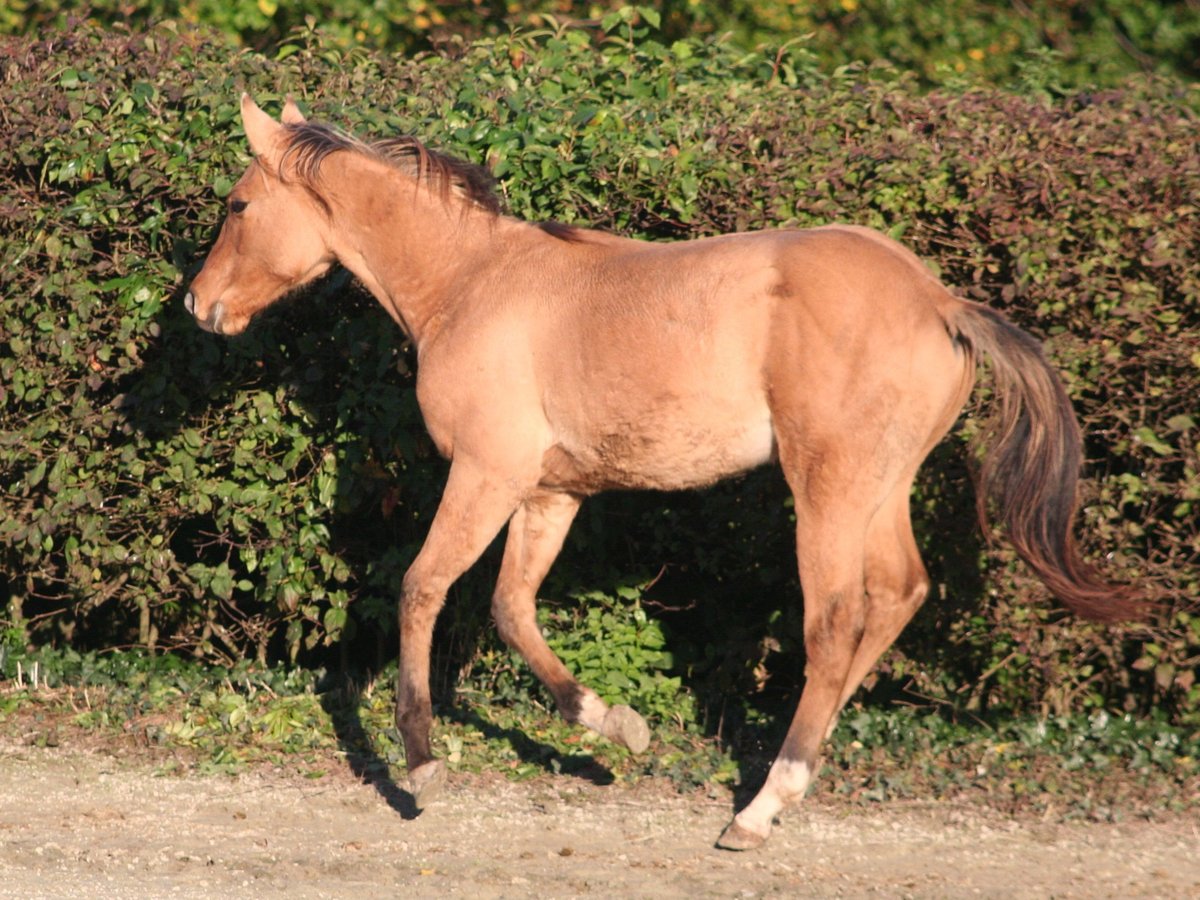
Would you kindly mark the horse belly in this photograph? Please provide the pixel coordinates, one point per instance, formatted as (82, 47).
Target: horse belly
(666, 451)
(703, 455)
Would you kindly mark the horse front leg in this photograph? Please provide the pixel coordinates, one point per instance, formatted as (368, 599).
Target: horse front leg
(535, 537)
(474, 507)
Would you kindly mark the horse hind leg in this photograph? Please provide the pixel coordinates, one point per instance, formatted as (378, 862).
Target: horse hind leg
(845, 633)
(830, 538)
(535, 537)
(896, 582)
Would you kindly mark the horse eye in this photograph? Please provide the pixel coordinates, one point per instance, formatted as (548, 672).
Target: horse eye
(237, 206)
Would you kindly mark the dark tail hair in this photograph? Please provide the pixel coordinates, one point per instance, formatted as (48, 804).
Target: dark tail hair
(1030, 469)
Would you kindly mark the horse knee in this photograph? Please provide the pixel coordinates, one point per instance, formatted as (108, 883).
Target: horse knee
(422, 587)
(420, 602)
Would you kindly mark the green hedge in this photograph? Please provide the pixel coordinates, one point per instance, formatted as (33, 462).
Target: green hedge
(261, 496)
(1092, 41)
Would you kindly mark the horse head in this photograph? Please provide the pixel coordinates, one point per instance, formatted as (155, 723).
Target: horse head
(276, 234)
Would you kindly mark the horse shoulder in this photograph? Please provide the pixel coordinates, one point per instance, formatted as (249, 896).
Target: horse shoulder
(476, 379)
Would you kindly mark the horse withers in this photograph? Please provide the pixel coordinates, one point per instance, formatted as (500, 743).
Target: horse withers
(555, 362)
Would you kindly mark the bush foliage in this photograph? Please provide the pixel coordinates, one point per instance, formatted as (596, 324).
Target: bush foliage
(164, 488)
(938, 40)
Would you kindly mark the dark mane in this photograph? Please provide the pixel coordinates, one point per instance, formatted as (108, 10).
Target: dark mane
(310, 143)
(567, 233)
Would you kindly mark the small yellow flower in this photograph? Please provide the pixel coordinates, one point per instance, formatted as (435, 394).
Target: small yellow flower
(976, 54)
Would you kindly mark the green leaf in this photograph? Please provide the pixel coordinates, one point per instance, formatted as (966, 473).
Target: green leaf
(221, 583)
(36, 474)
(651, 15)
(1182, 422)
(334, 620)
(611, 20)
(1148, 438)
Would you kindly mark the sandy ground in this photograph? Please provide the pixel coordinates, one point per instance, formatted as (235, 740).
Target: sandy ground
(80, 823)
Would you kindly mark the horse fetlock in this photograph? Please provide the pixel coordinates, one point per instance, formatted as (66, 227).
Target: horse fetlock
(426, 782)
(625, 727)
(619, 724)
(750, 828)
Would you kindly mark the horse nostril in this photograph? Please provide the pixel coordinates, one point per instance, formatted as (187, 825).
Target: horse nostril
(189, 303)
(215, 315)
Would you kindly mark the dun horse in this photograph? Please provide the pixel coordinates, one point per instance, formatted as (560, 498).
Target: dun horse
(556, 362)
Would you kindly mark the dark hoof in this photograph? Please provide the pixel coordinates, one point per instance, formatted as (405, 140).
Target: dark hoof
(735, 837)
(425, 782)
(625, 727)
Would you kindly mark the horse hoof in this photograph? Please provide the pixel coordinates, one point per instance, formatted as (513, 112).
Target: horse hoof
(735, 837)
(625, 727)
(425, 782)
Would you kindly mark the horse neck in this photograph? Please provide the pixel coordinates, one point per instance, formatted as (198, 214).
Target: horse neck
(407, 244)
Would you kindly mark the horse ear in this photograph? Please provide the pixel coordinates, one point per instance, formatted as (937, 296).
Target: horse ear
(292, 114)
(262, 131)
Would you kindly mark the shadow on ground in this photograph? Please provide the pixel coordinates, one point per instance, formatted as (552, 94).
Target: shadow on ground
(342, 702)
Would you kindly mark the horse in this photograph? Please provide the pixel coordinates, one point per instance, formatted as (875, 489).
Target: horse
(554, 362)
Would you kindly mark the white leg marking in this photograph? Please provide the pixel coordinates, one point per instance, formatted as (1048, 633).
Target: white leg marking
(619, 723)
(786, 782)
(592, 711)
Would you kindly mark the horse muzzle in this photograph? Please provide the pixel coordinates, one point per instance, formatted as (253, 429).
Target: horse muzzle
(211, 323)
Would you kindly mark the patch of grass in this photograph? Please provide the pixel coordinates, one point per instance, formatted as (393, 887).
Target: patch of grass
(221, 720)
(1097, 766)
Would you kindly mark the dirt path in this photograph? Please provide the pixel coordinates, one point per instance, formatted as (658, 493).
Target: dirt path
(75, 822)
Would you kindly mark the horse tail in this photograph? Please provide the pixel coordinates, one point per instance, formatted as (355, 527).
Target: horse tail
(1030, 471)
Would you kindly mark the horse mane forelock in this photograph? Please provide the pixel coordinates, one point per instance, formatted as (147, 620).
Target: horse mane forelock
(309, 144)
